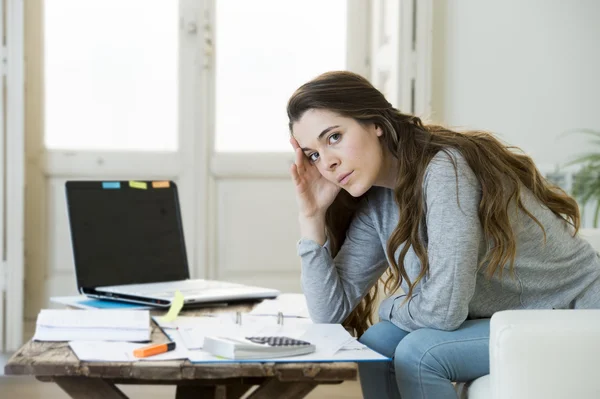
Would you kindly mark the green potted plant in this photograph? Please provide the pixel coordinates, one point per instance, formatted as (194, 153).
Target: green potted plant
(586, 182)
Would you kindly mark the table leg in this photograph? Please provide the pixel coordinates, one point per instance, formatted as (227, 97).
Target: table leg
(89, 388)
(274, 388)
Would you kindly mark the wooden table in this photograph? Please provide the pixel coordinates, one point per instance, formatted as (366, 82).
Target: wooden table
(55, 362)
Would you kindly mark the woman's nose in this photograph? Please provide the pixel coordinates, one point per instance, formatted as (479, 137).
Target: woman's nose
(332, 163)
(329, 159)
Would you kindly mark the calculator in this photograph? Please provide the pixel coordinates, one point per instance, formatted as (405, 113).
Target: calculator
(278, 341)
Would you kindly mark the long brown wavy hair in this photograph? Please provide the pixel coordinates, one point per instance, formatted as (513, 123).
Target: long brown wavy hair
(501, 170)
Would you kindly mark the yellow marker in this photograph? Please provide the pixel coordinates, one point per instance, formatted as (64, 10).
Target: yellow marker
(138, 184)
(160, 184)
(175, 308)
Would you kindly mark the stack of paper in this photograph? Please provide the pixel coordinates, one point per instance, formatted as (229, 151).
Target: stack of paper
(92, 325)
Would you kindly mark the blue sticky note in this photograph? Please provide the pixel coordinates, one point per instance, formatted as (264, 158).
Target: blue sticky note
(111, 184)
(96, 303)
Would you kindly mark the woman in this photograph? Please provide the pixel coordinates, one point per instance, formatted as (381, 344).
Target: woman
(465, 225)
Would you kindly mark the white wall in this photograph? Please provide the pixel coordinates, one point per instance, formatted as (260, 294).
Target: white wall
(527, 70)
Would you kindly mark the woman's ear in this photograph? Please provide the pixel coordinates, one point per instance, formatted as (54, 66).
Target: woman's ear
(378, 130)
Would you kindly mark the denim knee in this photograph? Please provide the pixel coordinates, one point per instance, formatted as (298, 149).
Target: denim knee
(371, 337)
(383, 338)
(413, 356)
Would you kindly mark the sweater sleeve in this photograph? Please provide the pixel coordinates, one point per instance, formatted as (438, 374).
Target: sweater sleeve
(333, 287)
(454, 240)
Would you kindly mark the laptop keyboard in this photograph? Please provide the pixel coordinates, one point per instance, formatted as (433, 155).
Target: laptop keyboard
(167, 289)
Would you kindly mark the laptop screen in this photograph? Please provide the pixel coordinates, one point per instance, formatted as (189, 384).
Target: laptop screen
(126, 232)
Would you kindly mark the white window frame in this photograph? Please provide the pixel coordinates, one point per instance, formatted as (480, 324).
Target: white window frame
(188, 162)
(401, 66)
(276, 164)
(92, 163)
(12, 193)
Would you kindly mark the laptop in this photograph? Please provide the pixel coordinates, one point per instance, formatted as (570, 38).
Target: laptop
(128, 245)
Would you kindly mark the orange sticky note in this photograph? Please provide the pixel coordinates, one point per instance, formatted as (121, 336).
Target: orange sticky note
(138, 184)
(160, 184)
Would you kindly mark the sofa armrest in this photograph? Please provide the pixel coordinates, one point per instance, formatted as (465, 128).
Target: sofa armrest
(545, 354)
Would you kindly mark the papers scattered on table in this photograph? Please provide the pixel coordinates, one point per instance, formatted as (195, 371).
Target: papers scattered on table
(92, 325)
(330, 341)
(193, 330)
(89, 331)
(291, 305)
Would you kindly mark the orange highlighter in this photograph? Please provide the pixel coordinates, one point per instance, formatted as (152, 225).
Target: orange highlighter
(154, 349)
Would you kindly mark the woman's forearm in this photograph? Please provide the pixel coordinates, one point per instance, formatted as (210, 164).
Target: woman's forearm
(313, 228)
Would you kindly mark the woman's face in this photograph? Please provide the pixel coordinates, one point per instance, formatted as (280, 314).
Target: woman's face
(344, 151)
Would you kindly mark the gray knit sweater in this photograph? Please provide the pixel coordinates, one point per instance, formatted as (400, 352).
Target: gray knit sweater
(547, 275)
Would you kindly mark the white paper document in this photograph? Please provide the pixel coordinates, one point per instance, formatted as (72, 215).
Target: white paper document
(291, 305)
(92, 325)
(193, 329)
(100, 351)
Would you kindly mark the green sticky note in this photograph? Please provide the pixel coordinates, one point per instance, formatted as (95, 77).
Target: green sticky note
(175, 308)
(138, 184)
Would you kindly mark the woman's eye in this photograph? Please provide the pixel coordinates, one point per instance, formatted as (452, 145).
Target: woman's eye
(334, 138)
(314, 157)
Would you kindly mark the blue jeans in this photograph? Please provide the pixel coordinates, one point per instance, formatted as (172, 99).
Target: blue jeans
(426, 361)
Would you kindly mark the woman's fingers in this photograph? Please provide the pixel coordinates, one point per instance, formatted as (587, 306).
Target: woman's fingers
(300, 158)
(294, 173)
(300, 161)
(294, 143)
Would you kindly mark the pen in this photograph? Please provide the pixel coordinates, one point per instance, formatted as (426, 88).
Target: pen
(154, 349)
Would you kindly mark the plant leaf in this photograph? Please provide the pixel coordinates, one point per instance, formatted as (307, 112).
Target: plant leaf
(585, 158)
(589, 157)
(596, 213)
(590, 132)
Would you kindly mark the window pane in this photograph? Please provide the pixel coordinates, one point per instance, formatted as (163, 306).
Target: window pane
(265, 49)
(111, 74)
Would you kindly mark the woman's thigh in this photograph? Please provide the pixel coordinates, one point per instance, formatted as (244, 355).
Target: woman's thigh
(460, 355)
(383, 338)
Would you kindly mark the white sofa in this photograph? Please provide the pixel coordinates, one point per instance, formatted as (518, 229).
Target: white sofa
(549, 354)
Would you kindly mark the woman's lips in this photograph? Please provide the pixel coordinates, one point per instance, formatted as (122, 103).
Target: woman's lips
(344, 178)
